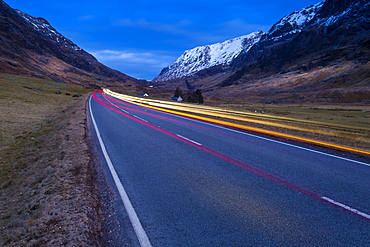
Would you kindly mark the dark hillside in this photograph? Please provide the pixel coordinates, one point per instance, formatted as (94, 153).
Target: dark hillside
(31, 46)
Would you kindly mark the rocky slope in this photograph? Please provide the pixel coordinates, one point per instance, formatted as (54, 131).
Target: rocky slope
(31, 46)
(317, 54)
(293, 23)
(204, 57)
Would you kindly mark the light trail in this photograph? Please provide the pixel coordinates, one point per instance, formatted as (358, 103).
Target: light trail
(244, 165)
(134, 219)
(235, 115)
(135, 100)
(145, 108)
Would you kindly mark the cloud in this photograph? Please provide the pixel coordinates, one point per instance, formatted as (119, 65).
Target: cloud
(137, 57)
(87, 17)
(142, 65)
(238, 25)
(174, 28)
(208, 35)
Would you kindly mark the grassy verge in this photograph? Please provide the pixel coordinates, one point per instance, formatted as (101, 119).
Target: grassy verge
(347, 125)
(47, 195)
(344, 127)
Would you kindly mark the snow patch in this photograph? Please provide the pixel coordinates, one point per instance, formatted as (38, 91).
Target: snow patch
(295, 22)
(203, 57)
(332, 19)
(41, 25)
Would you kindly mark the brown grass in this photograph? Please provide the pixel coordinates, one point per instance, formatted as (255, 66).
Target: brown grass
(347, 125)
(47, 195)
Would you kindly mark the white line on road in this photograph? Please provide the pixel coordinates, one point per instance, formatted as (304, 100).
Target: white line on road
(189, 140)
(346, 207)
(119, 108)
(280, 142)
(276, 141)
(140, 118)
(138, 228)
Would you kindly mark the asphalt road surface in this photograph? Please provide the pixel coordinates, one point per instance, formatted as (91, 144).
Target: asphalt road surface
(188, 183)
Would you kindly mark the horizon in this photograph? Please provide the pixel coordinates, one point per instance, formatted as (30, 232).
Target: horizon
(141, 38)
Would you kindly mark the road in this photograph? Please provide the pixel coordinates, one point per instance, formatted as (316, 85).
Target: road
(191, 183)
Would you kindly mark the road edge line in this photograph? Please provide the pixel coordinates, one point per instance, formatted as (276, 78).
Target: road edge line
(248, 128)
(138, 228)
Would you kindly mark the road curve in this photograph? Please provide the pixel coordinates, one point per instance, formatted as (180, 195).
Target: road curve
(191, 183)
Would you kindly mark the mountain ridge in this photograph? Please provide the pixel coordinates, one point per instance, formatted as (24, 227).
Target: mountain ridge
(30, 46)
(207, 56)
(292, 62)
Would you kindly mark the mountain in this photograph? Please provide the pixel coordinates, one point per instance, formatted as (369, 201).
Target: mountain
(293, 23)
(204, 57)
(320, 53)
(30, 46)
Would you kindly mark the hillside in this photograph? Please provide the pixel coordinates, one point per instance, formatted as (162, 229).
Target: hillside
(204, 57)
(317, 54)
(48, 196)
(30, 46)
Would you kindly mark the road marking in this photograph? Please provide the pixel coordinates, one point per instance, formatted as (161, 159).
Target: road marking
(348, 208)
(138, 228)
(115, 105)
(197, 143)
(280, 142)
(268, 139)
(255, 170)
(135, 100)
(140, 118)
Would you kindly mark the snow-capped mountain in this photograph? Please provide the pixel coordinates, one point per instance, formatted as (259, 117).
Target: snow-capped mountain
(293, 23)
(43, 26)
(318, 53)
(31, 46)
(224, 53)
(348, 12)
(304, 46)
(203, 57)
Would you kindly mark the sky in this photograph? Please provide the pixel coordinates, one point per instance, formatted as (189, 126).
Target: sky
(141, 37)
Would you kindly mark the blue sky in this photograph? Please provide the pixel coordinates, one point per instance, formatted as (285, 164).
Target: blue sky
(140, 37)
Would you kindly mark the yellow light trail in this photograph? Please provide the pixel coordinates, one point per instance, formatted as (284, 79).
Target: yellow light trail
(163, 106)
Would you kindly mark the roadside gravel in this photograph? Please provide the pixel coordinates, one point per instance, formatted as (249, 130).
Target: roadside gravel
(48, 193)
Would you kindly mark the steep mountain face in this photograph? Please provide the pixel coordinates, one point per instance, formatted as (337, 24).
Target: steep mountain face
(31, 46)
(204, 57)
(332, 30)
(292, 24)
(334, 7)
(317, 54)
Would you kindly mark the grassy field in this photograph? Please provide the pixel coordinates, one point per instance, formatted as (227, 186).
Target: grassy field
(27, 102)
(47, 194)
(344, 127)
(347, 125)
(352, 116)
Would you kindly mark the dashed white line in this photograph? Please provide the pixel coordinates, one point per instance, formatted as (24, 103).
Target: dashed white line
(280, 142)
(119, 108)
(197, 143)
(140, 118)
(144, 241)
(276, 141)
(348, 208)
(138, 228)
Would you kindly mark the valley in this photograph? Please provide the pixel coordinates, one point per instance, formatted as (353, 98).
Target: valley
(304, 83)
